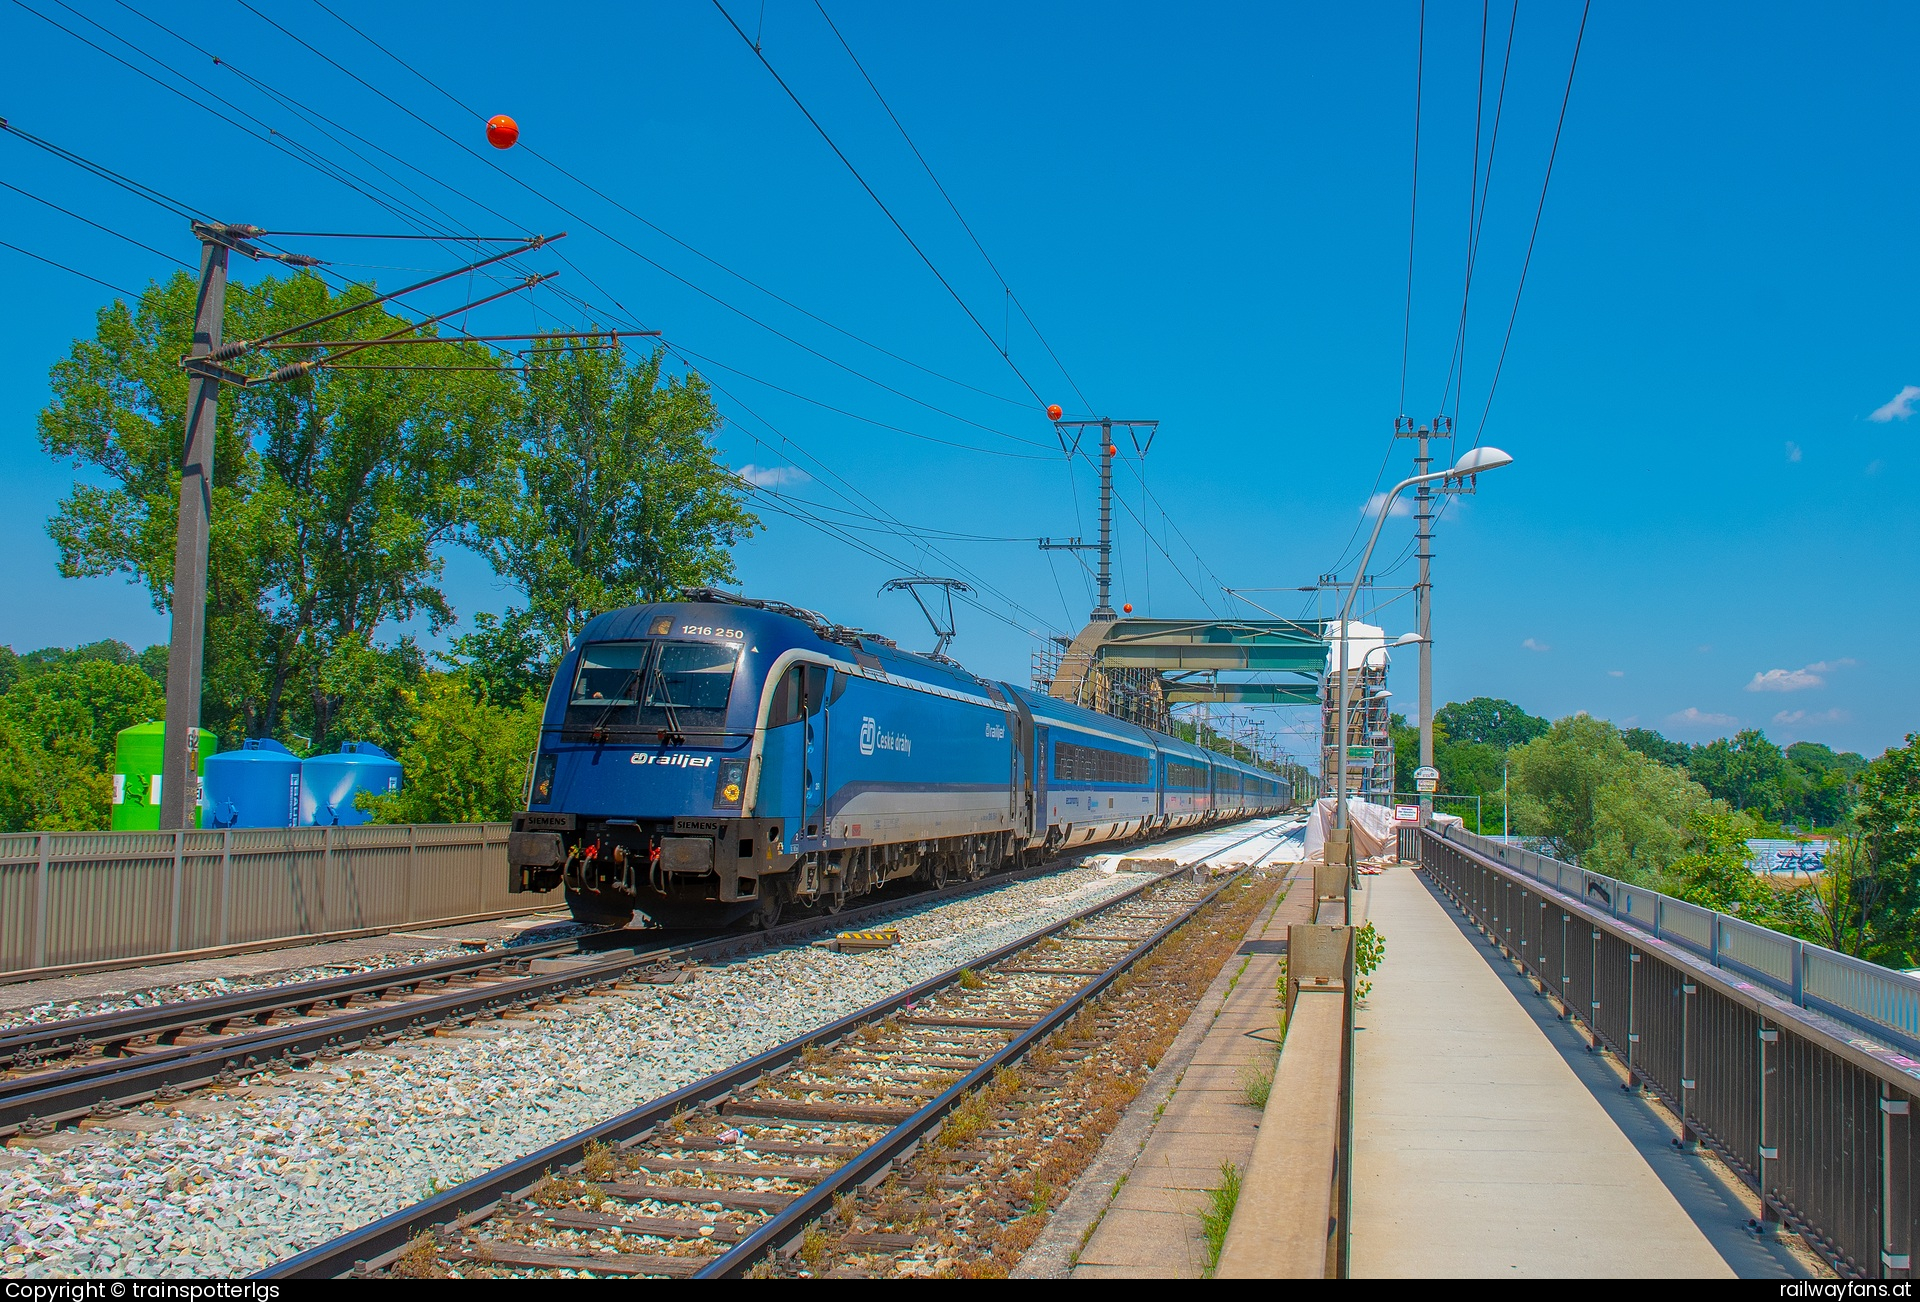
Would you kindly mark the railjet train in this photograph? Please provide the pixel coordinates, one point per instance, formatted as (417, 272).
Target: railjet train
(718, 759)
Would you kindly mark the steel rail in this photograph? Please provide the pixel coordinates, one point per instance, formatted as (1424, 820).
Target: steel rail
(479, 1196)
(110, 1029)
(78, 1092)
(791, 1221)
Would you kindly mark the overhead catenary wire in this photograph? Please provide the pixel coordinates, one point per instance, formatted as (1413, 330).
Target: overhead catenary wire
(1006, 289)
(41, 257)
(622, 244)
(839, 153)
(531, 151)
(1413, 204)
(1477, 204)
(1566, 97)
(335, 173)
(161, 253)
(455, 100)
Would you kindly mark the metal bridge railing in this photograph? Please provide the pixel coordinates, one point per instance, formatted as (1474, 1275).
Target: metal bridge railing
(101, 898)
(1788, 1059)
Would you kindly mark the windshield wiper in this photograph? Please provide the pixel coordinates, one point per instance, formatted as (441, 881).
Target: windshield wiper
(665, 702)
(598, 732)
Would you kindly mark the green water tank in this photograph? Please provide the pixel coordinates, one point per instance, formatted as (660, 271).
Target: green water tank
(137, 761)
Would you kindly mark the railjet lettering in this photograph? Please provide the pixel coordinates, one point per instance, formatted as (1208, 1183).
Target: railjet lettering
(872, 738)
(677, 760)
(997, 731)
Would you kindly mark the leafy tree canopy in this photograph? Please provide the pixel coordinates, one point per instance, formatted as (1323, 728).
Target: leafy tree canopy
(465, 758)
(57, 733)
(1489, 721)
(333, 494)
(620, 494)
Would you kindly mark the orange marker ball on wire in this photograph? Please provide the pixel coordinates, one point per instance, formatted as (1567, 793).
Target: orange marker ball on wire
(502, 131)
(1126, 608)
(1112, 451)
(1053, 411)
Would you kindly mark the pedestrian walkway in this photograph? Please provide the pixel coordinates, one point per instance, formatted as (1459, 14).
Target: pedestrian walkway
(1478, 1152)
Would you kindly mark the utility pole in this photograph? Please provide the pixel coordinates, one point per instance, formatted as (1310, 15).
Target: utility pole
(1103, 609)
(1442, 427)
(179, 768)
(205, 365)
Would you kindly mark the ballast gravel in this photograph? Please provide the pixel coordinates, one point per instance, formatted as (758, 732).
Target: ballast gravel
(285, 1170)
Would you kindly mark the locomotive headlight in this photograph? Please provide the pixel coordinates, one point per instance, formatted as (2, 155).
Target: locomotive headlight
(730, 783)
(543, 780)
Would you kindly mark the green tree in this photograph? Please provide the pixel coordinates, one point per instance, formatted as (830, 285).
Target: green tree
(1828, 783)
(1843, 900)
(1644, 818)
(1655, 747)
(502, 657)
(1712, 869)
(1748, 771)
(57, 734)
(1558, 779)
(621, 494)
(1490, 722)
(466, 758)
(1889, 819)
(333, 494)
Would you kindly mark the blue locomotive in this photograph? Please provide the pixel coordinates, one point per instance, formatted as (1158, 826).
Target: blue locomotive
(715, 759)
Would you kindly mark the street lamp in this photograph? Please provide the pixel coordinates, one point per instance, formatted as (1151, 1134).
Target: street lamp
(1470, 464)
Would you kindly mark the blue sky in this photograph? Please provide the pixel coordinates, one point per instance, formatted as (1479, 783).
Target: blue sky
(1206, 212)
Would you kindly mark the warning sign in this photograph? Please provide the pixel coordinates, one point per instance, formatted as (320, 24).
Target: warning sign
(1407, 815)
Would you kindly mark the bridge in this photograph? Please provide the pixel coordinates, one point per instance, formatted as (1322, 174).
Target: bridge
(1553, 1074)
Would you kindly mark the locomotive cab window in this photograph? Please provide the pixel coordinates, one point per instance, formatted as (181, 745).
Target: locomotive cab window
(649, 685)
(692, 675)
(610, 673)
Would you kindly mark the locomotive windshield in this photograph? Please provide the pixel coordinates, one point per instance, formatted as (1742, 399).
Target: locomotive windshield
(675, 685)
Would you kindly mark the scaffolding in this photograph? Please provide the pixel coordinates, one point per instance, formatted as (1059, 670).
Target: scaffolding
(1368, 745)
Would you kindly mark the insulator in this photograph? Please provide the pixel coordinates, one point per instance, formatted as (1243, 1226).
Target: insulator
(291, 371)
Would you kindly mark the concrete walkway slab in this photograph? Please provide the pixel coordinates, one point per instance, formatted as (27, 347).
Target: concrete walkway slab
(1477, 1150)
(1135, 1212)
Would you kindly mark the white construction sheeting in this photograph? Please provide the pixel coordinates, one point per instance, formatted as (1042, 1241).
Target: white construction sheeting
(1259, 840)
(1374, 833)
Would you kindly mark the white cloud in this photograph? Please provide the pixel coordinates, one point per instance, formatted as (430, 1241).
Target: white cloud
(1694, 717)
(1792, 718)
(1796, 680)
(1401, 507)
(1900, 408)
(1533, 645)
(1786, 680)
(1793, 450)
(773, 476)
(1616, 673)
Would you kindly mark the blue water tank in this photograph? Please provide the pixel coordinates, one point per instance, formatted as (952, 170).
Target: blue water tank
(255, 786)
(329, 784)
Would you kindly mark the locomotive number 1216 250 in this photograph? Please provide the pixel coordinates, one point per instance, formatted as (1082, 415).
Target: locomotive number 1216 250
(710, 630)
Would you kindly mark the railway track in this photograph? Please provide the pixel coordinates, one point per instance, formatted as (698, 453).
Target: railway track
(711, 1179)
(97, 1066)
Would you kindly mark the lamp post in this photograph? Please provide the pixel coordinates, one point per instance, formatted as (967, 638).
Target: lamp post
(1470, 464)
